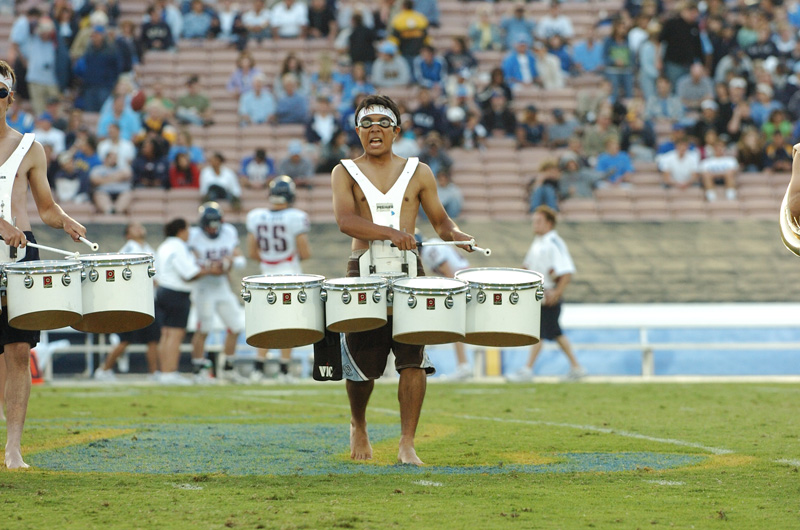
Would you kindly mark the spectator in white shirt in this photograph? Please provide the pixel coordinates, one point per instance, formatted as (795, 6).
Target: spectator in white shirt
(46, 134)
(720, 168)
(289, 20)
(679, 168)
(125, 149)
(219, 182)
(257, 20)
(554, 23)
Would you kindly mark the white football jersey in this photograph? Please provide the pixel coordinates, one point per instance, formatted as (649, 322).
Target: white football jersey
(276, 234)
(209, 250)
(434, 256)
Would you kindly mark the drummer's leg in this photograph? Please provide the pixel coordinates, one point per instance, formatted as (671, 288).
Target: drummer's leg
(17, 357)
(2, 387)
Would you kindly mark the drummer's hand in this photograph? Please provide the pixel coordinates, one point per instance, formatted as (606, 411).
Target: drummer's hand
(74, 229)
(461, 236)
(404, 241)
(13, 237)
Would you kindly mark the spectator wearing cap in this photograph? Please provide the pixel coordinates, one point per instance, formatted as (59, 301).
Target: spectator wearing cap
(680, 42)
(615, 165)
(548, 67)
(484, 33)
(41, 73)
(517, 26)
(289, 20)
(428, 116)
(694, 87)
(587, 54)
(256, 21)
(46, 134)
(560, 129)
(429, 69)
(323, 124)
(531, 131)
(763, 105)
(256, 170)
(258, 104)
(193, 107)
(98, 69)
(197, 22)
(719, 168)
(297, 165)
(663, 105)
(293, 106)
(619, 61)
(390, 69)
(519, 65)
(554, 23)
(409, 30)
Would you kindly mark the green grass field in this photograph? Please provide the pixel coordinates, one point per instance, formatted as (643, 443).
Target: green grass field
(497, 456)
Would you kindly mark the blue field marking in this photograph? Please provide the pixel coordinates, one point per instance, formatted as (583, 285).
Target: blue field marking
(294, 449)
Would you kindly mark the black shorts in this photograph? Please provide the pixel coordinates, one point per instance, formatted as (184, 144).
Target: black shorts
(151, 333)
(9, 335)
(172, 307)
(551, 329)
(369, 350)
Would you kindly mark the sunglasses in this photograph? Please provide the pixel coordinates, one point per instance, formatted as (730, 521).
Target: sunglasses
(385, 123)
(4, 93)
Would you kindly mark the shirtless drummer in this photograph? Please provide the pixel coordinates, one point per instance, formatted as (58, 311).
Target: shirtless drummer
(376, 198)
(24, 164)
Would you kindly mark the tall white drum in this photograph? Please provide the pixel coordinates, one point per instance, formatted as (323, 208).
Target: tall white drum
(355, 304)
(429, 310)
(44, 294)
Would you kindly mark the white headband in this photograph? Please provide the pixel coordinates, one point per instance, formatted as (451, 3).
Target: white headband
(376, 109)
(7, 81)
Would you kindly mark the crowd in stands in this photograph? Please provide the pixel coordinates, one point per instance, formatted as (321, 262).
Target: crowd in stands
(724, 80)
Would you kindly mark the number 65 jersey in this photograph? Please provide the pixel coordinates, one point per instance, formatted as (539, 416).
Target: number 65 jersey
(276, 232)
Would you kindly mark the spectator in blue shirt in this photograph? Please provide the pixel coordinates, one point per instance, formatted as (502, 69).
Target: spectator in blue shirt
(258, 105)
(517, 27)
(197, 22)
(123, 116)
(293, 107)
(614, 164)
(587, 55)
(519, 66)
(763, 105)
(184, 144)
(428, 68)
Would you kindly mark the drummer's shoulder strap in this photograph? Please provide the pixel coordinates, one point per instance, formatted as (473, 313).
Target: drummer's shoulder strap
(8, 172)
(369, 189)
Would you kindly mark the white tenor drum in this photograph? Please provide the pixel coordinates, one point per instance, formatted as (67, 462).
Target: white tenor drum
(504, 307)
(43, 294)
(429, 310)
(354, 304)
(283, 310)
(117, 292)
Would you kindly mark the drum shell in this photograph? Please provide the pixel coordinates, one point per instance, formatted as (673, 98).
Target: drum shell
(111, 303)
(48, 303)
(496, 321)
(286, 323)
(430, 321)
(363, 312)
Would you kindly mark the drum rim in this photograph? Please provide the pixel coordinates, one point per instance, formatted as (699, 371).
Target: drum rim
(247, 282)
(136, 258)
(501, 286)
(378, 283)
(52, 266)
(428, 291)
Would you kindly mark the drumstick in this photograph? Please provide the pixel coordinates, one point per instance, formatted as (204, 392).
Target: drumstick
(93, 246)
(51, 249)
(486, 251)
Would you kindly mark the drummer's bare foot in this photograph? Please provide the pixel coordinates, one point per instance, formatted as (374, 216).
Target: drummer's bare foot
(407, 454)
(14, 459)
(360, 448)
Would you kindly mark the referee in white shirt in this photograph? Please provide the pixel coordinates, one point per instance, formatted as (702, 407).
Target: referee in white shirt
(549, 256)
(177, 268)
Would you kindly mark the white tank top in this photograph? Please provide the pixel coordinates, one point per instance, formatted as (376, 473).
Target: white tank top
(8, 174)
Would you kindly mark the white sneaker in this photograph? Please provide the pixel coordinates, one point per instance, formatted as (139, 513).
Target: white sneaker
(173, 378)
(203, 377)
(463, 373)
(107, 376)
(711, 195)
(523, 375)
(233, 376)
(730, 194)
(256, 376)
(576, 374)
(286, 379)
(155, 377)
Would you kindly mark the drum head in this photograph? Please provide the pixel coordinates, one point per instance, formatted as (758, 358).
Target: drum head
(43, 320)
(489, 276)
(429, 284)
(273, 281)
(285, 338)
(113, 321)
(365, 282)
(110, 259)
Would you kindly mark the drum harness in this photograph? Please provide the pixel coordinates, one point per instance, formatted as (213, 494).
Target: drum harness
(385, 208)
(8, 174)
